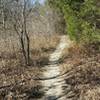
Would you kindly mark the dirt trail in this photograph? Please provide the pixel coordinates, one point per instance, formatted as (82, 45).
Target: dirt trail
(65, 42)
(53, 85)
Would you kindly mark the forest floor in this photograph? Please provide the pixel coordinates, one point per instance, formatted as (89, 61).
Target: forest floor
(79, 68)
(84, 64)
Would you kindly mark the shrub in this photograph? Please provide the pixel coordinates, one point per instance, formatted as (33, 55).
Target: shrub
(81, 17)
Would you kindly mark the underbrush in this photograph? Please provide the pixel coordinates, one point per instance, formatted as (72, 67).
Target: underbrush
(84, 64)
(11, 58)
(15, 76)
(40, 47)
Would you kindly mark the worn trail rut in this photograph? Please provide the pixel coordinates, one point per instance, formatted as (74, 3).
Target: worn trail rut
(53, 78)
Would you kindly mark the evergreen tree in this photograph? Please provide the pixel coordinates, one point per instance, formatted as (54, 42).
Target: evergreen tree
(81, 17)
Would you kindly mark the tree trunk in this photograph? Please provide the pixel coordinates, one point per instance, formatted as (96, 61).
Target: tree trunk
(26, 35)
(23, 48)
(27, 48)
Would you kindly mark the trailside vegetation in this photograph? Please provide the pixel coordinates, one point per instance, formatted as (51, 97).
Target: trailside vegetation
(82, 18)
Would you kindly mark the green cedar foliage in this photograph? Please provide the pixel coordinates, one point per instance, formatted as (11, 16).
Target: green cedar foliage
(82, 18)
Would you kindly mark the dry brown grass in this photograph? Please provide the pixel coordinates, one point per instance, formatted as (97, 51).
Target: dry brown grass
(40, 41)
(40, 46)
(84, 64)
(11, 56)
(90, 93)
(13, 72)
(37, 42)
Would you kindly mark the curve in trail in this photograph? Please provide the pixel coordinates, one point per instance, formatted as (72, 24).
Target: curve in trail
(65, 42)
(53, 86)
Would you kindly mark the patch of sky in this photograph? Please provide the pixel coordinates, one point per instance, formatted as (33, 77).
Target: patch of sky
(40, 1)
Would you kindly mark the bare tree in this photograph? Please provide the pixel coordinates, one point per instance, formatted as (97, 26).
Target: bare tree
(19, 11)
(20, 26)
(2, 16)
(23, 16)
